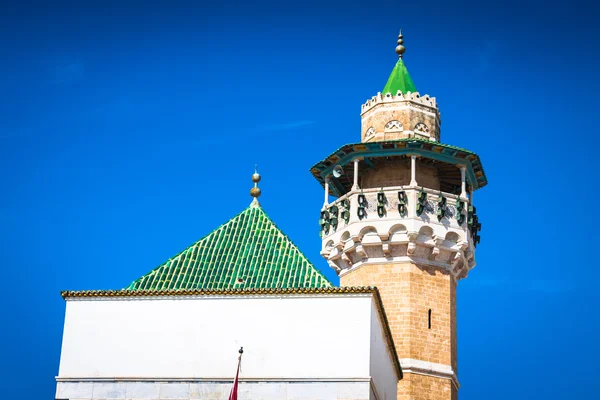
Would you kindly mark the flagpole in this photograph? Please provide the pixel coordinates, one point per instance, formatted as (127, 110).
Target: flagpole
(241, 351)
(233, 394)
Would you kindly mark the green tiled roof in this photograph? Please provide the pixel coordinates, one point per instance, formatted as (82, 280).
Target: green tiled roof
(247, 252)
(399, 80)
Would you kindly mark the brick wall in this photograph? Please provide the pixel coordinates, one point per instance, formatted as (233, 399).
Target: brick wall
(421, 387)
(408, 292)
(380, 115)
(397, 173)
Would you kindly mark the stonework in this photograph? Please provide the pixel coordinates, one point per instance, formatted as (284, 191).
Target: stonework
(397, 173)
(409, 291)
(391, 236)
(420, 387)
(390, 117)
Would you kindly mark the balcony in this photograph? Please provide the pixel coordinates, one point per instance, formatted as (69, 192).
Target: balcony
(379, 225)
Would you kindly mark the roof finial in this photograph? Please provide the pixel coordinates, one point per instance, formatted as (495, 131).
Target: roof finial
(400, 49)
(255, 191)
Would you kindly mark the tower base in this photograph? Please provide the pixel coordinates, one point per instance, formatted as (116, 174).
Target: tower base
(421, 387)
(420, 306)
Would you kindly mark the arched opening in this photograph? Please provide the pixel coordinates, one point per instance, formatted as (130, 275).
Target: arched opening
(452, 237)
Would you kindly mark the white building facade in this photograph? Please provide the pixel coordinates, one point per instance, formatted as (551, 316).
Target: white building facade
(298, 344)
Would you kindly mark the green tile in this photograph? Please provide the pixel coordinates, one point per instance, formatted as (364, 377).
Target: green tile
(249, 246)
(399, 80)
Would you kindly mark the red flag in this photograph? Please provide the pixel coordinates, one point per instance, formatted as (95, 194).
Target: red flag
(233, 395)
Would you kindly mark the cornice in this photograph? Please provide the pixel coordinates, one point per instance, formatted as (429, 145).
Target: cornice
(419, 367)
(216, 292)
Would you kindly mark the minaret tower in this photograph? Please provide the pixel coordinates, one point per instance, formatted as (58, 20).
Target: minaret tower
(403, 220)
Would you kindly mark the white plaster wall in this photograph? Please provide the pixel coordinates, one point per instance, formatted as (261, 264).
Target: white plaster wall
(383, 372)
(284, 337)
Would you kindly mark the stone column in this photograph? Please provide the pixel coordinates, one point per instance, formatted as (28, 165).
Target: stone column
(463, 182)
(355, 185)
(413, 170)
(326, 203)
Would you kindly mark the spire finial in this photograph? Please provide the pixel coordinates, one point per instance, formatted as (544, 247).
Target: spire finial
(255, 191)
(400, 49)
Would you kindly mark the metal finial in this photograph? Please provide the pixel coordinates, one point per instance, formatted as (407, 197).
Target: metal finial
(400, 49)
(255, 191)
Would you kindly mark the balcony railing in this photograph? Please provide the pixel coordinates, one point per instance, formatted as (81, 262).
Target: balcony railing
(400, 203)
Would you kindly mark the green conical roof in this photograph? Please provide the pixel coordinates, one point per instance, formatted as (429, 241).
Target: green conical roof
(247, 252)
(399, 80)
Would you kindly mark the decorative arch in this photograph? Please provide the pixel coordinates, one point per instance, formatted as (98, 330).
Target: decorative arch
(367, 230)
(452, 237)
(368, 236)
(398, 233)
(422, 128)
(426, 233)
(393, 126)
(345, 236)
(399, 228)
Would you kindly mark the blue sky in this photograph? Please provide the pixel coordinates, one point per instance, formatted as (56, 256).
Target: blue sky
(120, 121)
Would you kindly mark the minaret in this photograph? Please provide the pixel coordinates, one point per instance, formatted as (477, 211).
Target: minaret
(404, 221)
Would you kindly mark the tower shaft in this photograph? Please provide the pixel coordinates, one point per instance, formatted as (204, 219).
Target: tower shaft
(420, 305)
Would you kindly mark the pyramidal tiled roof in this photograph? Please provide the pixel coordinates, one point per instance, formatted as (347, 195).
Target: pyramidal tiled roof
(399, 80)
(247, 252)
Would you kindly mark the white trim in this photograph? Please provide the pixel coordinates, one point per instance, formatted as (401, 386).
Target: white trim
(419, 367)
(384, 260)
(381, 109)
(208, 380)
